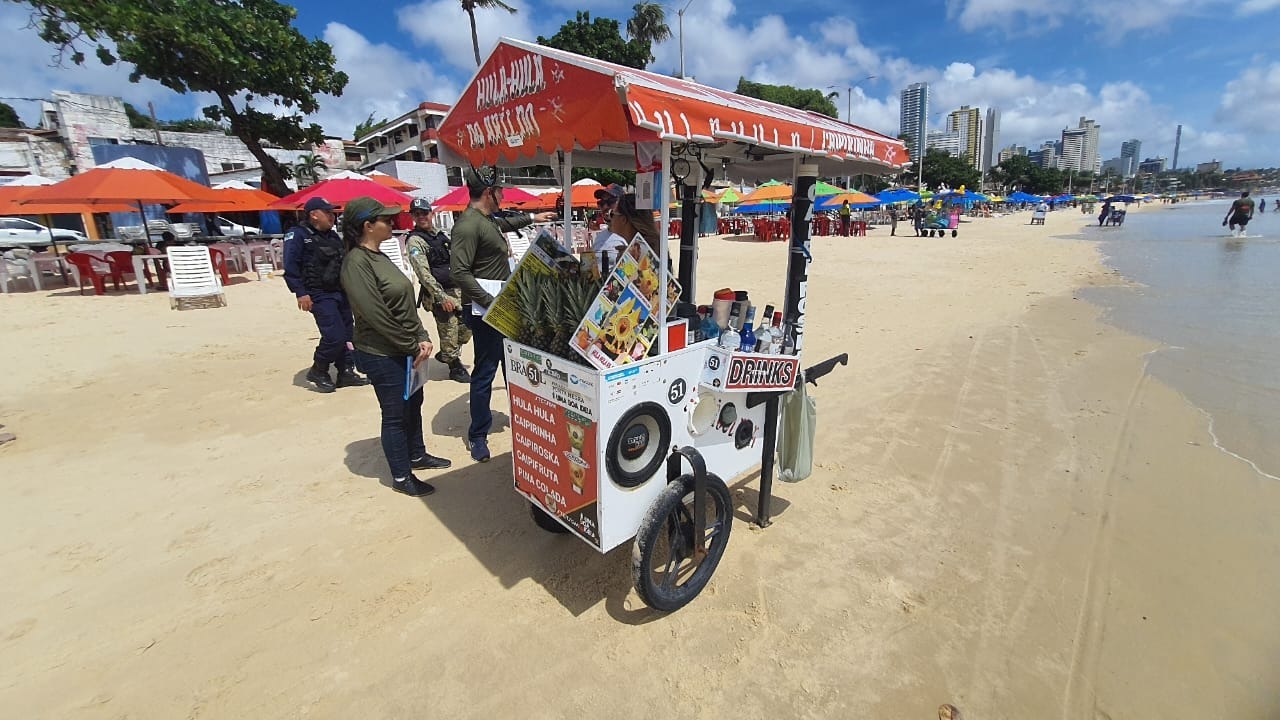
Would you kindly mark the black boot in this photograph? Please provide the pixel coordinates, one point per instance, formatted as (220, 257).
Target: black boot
(319, 376)
(458, 373)
(347, 377)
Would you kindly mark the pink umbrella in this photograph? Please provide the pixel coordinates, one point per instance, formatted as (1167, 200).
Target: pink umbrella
(339, 191)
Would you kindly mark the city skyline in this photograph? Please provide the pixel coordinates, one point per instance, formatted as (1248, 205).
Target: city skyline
(1043, 66)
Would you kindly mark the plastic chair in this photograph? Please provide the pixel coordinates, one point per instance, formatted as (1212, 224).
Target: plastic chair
(121, 263)
(96, 271)
(219, 260)
(13, 266)
(192, 275)
(392, 249)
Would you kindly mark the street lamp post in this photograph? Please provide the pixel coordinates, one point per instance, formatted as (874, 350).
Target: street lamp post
(680, 22)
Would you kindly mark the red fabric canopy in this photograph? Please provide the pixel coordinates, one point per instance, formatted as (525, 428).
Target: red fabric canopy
(340, 191)
(528, 99)
(116, 185)
(230, 200)
(459, 198)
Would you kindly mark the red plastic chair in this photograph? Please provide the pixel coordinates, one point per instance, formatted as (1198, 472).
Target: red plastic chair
(782, 229)
(95, 270)
(121, 262)
(219, 260)
(859, 227)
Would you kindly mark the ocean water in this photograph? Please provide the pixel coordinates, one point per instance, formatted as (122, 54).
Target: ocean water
(1213, 301)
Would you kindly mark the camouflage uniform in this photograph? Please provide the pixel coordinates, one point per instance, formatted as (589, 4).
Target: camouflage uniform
(451, 331)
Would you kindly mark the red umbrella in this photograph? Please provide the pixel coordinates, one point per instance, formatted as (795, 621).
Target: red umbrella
(459, 198)
(229, 200)
(340, 190)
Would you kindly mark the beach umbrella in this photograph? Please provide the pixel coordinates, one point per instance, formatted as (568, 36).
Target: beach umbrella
(897, 195)
(391, 181)
(822, 189)
(229, 200)
(772, 191)
(729, 197)
(1019, 196)
(856, 199)
(340, 190)
(1122, 198)
(761, 208)
(122, 181)
(459, 198)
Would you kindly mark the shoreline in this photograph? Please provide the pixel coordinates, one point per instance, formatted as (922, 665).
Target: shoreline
(1006, 513)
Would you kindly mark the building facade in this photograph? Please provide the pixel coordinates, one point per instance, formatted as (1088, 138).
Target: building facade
(914, 117)
(33, 152)
(990, 140)
(1118, 166)
(1048, 156)
(967, 124)
(1152, 165)
(1131, 149)
(1010, 151)
(410, 137)
(1212, 166)
(1080, 147)
(945, 140)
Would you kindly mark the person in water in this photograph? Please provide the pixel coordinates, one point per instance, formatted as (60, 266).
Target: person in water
(1240, 214)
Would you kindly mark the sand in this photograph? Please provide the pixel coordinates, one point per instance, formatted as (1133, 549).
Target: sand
(1008, 514)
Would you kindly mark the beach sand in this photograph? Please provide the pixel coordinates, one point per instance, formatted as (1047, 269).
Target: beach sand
(1007, 514)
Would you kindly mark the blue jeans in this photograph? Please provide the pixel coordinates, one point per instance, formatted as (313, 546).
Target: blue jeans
(401, 419)
(486, 343)
(333, 319)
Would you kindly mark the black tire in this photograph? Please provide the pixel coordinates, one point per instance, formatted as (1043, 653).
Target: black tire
(666, 575)
(545, 521)
(954, 233)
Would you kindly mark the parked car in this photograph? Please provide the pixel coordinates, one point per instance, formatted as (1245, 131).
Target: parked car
(231, 229)
(18, 231)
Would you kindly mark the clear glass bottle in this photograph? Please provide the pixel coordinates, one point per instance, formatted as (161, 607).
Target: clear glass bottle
(708, 329)
(776, 335)
(729, 337)
(748, 342)
(765, 334)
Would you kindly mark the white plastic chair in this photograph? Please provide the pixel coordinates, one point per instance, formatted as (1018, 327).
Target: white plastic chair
(191, 275)
(392, 248)
(12, 268)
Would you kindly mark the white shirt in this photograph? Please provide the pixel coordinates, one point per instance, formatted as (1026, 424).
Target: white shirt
(606, 239)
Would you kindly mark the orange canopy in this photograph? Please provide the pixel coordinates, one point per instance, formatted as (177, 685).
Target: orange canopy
(390, 181)
(229, 200)
(853, 196)
(776, 191)
(528, 99)
(12, 197)
(121, 181)
(459, 198)
(580, 196)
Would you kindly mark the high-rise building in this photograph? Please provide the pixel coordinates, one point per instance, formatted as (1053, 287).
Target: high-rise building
(1048, 156)
(945, 140)
(914, 117)
(1152, 165)
(1119, 166)
(1177, 145)
(990, 138)
(1011, 151)
(1080, 147)
(967, 123)
(1131, 149)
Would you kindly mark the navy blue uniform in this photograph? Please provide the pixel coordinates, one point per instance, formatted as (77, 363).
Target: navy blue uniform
(313, 266)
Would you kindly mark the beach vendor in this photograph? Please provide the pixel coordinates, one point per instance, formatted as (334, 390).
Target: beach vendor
(846, 215)
(428, 250)
(479, 252)
(387, 333)
(313, 255)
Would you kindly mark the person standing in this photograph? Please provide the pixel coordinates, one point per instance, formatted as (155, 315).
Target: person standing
(313, 255)
(893, 221)
(846, 215)
(1106, 213)
(388, 332)
(1240, 214)
(428, 250)
(479, 252)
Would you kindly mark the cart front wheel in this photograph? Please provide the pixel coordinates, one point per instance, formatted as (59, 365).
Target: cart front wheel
(667, 570)
(545, 521)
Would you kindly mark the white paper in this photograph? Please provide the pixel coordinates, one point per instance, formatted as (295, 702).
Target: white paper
(493, 287)
(414, 377)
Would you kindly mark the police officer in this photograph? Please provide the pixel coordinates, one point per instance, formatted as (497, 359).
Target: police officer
(480, 252)
(313, 254)
(428, 250)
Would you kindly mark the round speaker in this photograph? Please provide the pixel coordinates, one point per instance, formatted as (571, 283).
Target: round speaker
(638, 444)
(728, 416)
(742, 436)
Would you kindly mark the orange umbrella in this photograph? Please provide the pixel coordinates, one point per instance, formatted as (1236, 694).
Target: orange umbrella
(853, 196)
(229, 200)
(118, 182)
(391, 181)
(768, 192)
(581, 196)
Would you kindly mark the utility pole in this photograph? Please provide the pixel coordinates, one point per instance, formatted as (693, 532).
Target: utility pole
(155, 124)
(680, 19)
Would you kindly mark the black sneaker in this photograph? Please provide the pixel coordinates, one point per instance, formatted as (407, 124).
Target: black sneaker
(479, 449)
(321, 380)
(413, 487)
(457, 373)
(429, 462)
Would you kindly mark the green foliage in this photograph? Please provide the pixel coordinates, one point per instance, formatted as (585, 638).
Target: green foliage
(811, 100)
(470, 6)
(137, 119)
(606, 176)
(601, 39)
(240, 51)
(648, 25)
(9, 117)
(368, 126)
(307, 168)
(941, 167)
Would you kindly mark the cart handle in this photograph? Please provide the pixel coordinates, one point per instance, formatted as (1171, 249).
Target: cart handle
(699, 467)
(810, 375)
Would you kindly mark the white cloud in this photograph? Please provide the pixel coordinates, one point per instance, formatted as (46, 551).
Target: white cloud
(1104, 17)
(1251, 102)
(383, 80)
(444, 26)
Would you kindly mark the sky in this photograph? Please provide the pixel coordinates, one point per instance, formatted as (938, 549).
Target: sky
(1139, 68)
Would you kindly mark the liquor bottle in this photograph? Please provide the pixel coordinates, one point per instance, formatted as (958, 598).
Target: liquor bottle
(776, 335)
(708, 329)
(788, 340)
(764, 335)
(729, 337)
(748, 343)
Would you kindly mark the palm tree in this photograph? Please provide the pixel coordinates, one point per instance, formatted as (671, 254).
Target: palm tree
(648, 25)
(470, 6)
(308, 168)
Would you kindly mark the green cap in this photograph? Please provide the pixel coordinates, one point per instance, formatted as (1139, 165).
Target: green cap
(482, 177)
(363, 209)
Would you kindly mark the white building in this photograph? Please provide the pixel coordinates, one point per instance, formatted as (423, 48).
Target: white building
(990, 139)
(410, 137)
(1080, 147)
(945, 140)
(914, 117)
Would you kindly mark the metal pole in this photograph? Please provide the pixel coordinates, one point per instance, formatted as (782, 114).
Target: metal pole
(680, 19)
(806, 177)
(770, 442)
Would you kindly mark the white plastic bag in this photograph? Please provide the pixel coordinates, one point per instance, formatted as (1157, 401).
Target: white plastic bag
(796, 430)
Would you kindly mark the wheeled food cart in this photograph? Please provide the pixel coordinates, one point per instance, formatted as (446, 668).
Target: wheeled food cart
(642, 447)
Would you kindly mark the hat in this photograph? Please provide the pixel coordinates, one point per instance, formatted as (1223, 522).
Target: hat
(318, 203)
(364, 209)
(482, 177)
(611, 192)
(420, 205)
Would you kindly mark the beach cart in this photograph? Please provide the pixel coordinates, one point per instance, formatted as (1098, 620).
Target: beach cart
(630, 427)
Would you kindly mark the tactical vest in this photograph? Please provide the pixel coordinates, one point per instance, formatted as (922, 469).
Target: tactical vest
(322, 255)
(437, 257)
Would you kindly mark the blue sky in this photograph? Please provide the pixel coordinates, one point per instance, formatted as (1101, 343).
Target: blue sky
(1139, 68)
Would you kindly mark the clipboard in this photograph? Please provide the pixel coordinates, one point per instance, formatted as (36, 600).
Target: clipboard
(414, 378)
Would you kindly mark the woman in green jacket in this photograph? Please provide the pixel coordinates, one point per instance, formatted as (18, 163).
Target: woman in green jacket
(388, 333)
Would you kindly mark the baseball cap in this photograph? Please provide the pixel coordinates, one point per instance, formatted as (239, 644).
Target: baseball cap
(610, 192)
(364, 209)
(319, 203)
(485, 176)
(420, 205)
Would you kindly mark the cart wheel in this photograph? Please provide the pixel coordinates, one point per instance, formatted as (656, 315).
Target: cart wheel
(545, 521)
(666, 572)
(954, 233)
